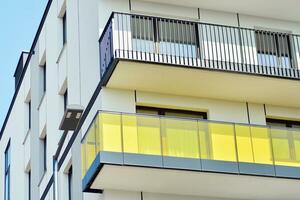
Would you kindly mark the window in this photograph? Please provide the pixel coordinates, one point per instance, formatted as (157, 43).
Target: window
(65, 100)
(29, 185)
(7, 173)
(285, 140)
(29, 115)
(282, 123)
(44, 77)
(70, 177)
(274, 49)
(64, 24)
(171, 112)
(176, 38)
(44, 143)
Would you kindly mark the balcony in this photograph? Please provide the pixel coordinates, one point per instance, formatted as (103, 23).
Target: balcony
(237, 64)
(121, 146)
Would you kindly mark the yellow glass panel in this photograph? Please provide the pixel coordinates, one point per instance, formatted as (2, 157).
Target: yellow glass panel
(281, 146)
(110, 132)
(130, 136)
(296, 136)
(83, 158)
(90, 148)
(141, 135)
(97, 133)
(244, 144)
(180, 138)
(222, 142)
(148, 135)
(261, 145)
(217, 141)
(204, 140)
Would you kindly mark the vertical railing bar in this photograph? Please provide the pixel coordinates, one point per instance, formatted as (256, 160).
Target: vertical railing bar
(228, 49)
(140, 37)
(249, 61)
(288, 52)
(269, 49)
(176, 39)
(127, 31)
(179, 40)
(264, 51)
(123, 36)
(119, 33)
(212, 46)
(252, 50)
(216, 46)
(297, 57)
(277, 50)
(243, 48)
(233, 62)
(238, 49)
(134, 34)
(149, 37)
(207, 44)
(169, 39)
(221, 43)
(145, 37)
(192, 42)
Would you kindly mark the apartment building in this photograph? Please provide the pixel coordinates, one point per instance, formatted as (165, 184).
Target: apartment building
(157, 100)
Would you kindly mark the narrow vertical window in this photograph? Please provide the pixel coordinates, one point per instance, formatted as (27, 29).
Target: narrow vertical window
(64, 24)
(45, 153)
(65, 99)
(29, 115)
(70, 177)
(29, 185)
(44, 78)
(7, 173)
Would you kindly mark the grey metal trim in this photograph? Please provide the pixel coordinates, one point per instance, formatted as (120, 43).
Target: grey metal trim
(182, 163)
(287, 172)
(143, 160)
(220, 166)
(256, 169)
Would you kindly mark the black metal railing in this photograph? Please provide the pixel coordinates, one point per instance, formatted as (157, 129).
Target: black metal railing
(194, 44)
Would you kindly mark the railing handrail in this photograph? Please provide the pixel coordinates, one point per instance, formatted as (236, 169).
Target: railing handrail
(199, 22)
(187, 118)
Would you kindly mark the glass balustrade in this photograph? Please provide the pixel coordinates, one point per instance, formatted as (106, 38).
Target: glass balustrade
(176, 141)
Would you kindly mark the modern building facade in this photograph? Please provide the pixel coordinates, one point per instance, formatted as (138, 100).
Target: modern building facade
(157, 100)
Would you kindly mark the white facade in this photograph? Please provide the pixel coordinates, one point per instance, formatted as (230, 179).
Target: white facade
(74, 67)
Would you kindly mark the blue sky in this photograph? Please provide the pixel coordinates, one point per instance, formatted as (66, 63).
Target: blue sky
(19, 20)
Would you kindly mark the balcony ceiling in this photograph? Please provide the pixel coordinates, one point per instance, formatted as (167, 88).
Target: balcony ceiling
(185, 81)
(278, 9)
(182, 182)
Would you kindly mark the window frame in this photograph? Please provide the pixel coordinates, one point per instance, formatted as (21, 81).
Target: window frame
(163, 111)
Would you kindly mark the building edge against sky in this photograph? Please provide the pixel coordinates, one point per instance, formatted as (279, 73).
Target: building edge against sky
(147, 99)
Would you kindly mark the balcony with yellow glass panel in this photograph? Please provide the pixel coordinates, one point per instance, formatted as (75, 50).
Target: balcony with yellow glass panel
(160, 154)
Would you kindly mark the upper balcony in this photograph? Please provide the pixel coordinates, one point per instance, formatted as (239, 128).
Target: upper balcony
(194, 54)
(276, 9)
(119, 147)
